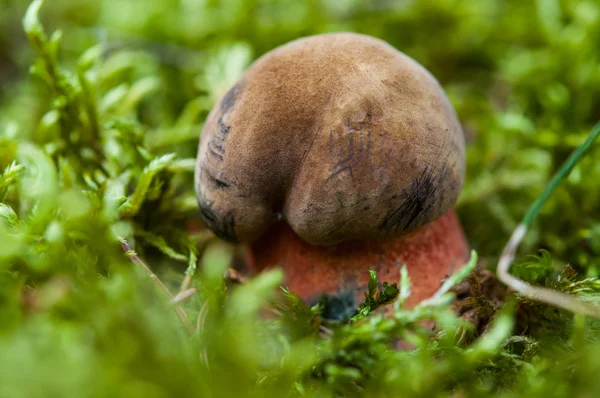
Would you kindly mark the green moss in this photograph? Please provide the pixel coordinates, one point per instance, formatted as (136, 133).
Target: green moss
(97, 144)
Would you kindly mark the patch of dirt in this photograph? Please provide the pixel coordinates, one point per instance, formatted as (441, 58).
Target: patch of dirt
(478, 298)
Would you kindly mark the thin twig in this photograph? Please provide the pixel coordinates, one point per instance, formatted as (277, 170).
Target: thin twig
(202, 316)
(232, 275)
(138, 261)
(548, 296)
(183, 295)
(200, 326)
(326, 331)
(187, 280)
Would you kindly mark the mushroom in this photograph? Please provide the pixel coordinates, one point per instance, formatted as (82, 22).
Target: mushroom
(331, 155)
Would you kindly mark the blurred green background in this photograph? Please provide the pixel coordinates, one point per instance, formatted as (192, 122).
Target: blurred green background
(131, 80)
(523, 76)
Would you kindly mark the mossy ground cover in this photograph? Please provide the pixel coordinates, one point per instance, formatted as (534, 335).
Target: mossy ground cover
(101, 106)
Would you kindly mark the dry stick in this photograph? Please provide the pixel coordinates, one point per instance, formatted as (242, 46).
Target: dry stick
(183, 295)
(548, 296)
(199, 326)
(138, 261)
(185, 285)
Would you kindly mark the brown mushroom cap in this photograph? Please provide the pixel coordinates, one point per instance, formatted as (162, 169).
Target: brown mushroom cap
(340, 135)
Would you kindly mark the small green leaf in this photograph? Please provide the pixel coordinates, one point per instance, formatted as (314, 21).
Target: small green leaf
(8, 215)
(459, 276)
(90, 57)
(31, 22)
(372, 284)
(490, 343)
(404, 288)
(39, 184)
(161, 244)
(134, 202)
(8, 178)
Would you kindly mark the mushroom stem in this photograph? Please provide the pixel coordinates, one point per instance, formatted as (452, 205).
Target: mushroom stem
(430, 253)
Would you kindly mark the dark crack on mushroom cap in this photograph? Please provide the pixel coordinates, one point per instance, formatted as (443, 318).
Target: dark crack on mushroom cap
(340, 134)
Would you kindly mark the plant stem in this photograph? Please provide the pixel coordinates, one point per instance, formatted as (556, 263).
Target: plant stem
(548, 296)
(138, 261)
